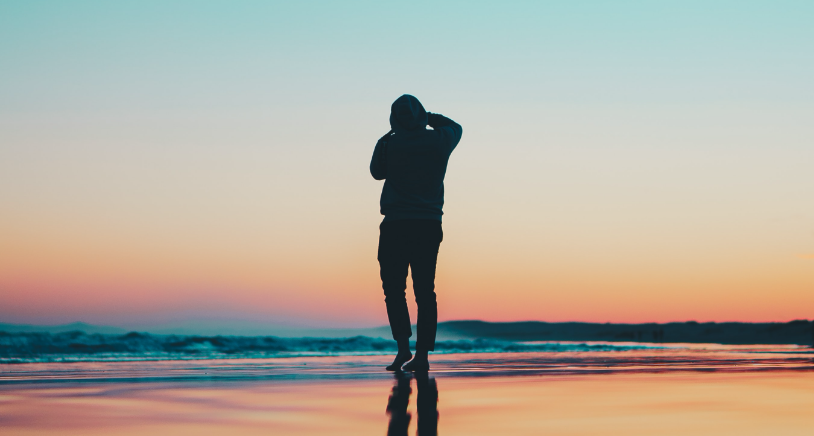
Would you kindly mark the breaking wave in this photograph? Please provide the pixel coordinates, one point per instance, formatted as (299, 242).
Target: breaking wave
(79, 346)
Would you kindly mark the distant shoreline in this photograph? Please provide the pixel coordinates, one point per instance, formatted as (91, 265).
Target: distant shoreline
(800, 332)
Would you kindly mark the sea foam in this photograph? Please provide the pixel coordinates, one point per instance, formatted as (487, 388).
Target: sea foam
(79, 346)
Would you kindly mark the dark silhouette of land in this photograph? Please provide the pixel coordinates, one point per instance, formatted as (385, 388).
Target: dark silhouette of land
(795, 332)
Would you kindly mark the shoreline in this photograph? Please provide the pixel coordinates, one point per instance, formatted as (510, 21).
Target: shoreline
(698, 359)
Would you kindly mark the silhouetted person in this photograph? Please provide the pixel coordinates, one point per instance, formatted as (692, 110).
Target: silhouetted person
(413, 161)
(426, 405)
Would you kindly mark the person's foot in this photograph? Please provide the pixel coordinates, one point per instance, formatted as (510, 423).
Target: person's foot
(401, 357)
(419, 363)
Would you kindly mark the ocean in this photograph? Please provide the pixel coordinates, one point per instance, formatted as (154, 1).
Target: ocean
(141, 384)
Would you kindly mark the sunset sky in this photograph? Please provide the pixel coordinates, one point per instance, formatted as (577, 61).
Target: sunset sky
(625, 161)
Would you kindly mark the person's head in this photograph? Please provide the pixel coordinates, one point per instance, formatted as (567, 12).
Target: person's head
(407, 113)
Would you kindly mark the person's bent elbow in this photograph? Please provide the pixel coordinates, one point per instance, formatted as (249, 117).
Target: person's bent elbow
(377, 174)
(459, 132)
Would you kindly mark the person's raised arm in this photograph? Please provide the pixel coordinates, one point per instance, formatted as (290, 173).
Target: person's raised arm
(450, 129)
(378, 164)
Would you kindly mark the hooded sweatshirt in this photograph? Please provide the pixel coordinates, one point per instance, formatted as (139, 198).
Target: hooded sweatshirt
(412, 161)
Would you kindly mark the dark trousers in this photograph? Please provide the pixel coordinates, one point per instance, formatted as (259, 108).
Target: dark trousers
(412, 243)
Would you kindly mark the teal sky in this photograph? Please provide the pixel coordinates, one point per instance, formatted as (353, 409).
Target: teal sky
(613, 152)
(244, 55)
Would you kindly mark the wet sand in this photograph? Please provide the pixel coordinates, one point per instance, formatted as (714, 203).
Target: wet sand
(683, 392)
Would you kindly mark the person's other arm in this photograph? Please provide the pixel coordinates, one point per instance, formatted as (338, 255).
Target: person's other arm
(450, 129)
(378, 164)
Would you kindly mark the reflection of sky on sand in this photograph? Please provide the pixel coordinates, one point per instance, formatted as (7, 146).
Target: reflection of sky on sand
(697, 391)
(681, 403)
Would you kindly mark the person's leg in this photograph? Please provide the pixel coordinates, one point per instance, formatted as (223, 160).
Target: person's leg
(393, 262)
(423, 258)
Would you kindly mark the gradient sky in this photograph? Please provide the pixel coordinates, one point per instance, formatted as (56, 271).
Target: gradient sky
(622, 161)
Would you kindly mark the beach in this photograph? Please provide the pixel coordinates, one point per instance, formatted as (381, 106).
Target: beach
(690, 389)
(230, 217)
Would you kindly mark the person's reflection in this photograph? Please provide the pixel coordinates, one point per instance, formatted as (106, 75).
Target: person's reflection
(397, 406)
(427, 405)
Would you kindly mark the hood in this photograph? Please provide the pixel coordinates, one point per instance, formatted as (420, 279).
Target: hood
(407, 114)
